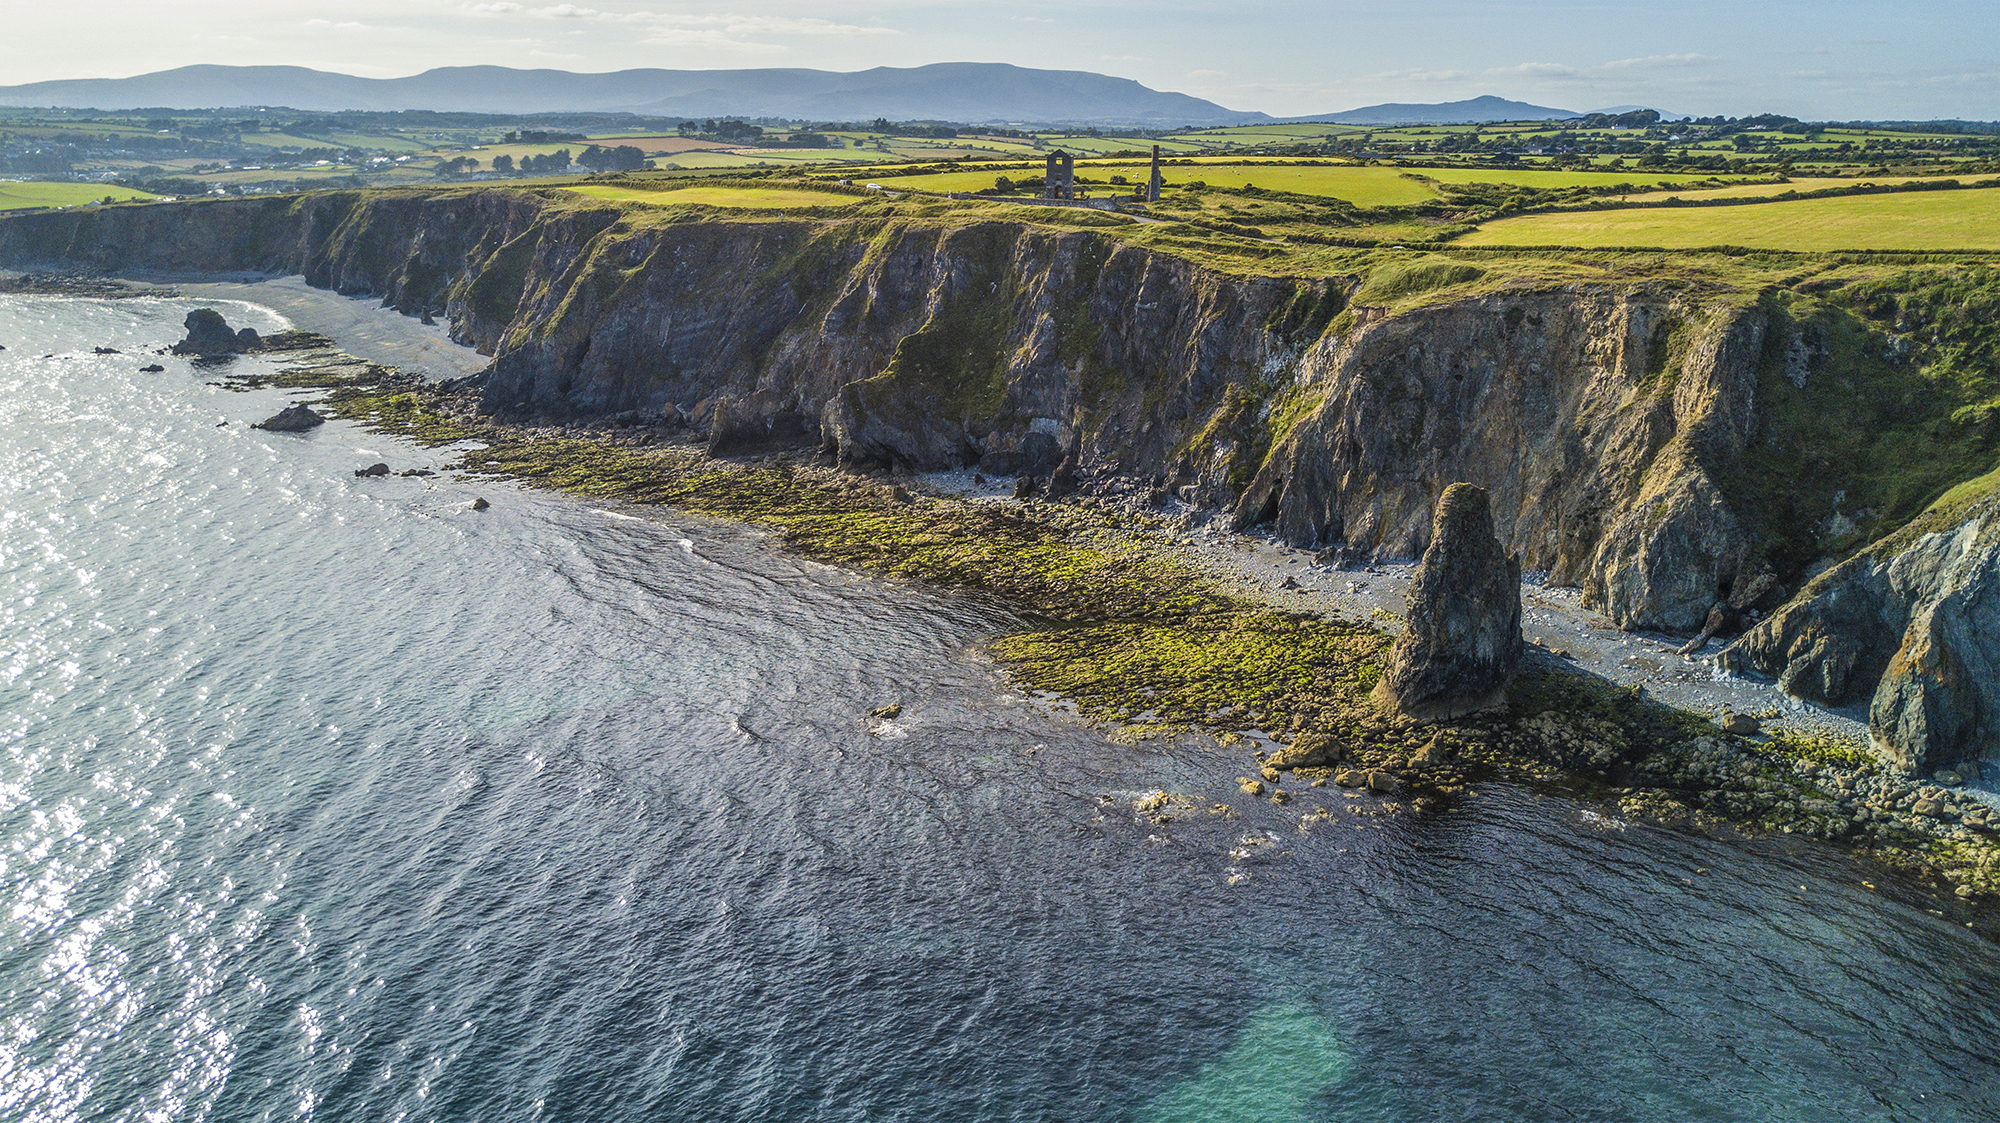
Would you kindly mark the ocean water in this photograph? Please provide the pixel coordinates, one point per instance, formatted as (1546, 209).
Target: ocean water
(330, 798)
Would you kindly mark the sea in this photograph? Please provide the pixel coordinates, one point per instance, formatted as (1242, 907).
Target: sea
(333, 798)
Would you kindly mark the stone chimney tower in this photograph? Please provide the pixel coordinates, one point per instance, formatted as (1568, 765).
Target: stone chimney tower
(1059, 181)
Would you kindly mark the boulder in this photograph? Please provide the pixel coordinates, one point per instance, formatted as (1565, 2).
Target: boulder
(1062, 481)
(209, 334)
(1463, 642)
(480, 504)
(1742, 725)
(1926, 710)
(763, 421)
(292, 419)
(151, 368)
(376, 469)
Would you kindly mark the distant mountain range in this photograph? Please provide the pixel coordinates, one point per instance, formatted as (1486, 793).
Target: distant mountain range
(1478, 110)
(964, 92)
(973, 93)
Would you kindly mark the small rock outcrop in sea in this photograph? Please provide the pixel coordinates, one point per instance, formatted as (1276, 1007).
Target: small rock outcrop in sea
(151, 368)
(376, 469)
(1463, 642)
(209, 334)
(292, 419)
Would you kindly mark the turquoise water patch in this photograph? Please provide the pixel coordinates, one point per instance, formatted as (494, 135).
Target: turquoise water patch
(1284, 1058)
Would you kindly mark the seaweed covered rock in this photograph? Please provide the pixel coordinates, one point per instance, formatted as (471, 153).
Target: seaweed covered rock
(292, 419)
(1463, 642)
(209, 334)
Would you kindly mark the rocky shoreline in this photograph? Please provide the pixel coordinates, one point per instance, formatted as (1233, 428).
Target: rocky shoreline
(1151, 637)
(1153, 626)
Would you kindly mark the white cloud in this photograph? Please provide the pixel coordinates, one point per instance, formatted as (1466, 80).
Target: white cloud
(1208, 74)
(1539, 70)
(771, 25)
(349, 25)
(730, 22)
(1624, 67)
(1660, 62)
(709, 31)
(1416, 76)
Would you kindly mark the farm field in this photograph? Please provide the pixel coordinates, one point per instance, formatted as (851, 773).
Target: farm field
(17, 196)
(1362, 186)
(760, 198)
(1928, 220)
(1801, 184)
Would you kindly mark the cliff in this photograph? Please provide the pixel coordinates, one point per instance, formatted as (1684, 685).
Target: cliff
(1678, 440)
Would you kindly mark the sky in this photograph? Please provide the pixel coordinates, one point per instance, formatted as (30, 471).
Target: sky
(1829, 59)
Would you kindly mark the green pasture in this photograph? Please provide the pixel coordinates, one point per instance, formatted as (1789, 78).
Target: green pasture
(1923, 220)
(1801, 184)
(1360, 185)
(18, 196)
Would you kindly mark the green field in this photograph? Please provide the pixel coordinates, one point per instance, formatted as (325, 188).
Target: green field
(16, 196)
(1362, 186)
(1926, 220)
(759, 198)
(1801, 184)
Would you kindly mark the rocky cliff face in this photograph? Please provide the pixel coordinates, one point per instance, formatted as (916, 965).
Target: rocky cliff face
(1604, 424)
(1664, 446)
(1912, 627)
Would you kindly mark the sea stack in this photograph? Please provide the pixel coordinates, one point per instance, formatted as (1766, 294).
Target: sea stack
(1463, 642)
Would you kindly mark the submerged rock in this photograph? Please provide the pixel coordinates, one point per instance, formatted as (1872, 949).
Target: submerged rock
(1463, 642)
(292, 419)
(151, 368)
